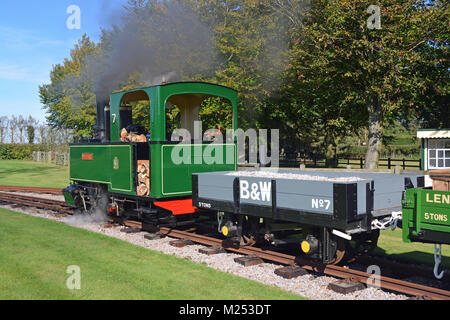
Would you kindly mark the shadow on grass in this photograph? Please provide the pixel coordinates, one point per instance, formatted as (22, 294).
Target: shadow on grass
(415, 257)
(25, 171)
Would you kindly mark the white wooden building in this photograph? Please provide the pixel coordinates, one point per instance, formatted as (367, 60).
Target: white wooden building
(435, 148)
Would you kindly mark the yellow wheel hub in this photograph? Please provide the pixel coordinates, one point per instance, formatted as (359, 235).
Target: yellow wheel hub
(225, 231)
(306, 247)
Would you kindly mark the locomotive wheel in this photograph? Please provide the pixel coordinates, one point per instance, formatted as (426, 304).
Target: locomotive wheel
(102, 202)
(96, 205)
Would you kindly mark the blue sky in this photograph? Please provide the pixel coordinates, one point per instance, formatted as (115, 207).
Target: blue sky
(33, 37)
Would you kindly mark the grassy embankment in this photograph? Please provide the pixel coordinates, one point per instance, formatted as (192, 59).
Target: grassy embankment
(36, 253)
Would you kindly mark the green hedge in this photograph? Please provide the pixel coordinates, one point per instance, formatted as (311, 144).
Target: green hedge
(386, 151)
(25, 151)
(402, 151)
(352, 152)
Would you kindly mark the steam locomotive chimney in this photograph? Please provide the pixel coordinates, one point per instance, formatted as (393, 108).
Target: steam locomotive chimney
(100, 126)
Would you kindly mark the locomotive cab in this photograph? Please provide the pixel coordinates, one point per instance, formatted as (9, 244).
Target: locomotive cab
(168, 177)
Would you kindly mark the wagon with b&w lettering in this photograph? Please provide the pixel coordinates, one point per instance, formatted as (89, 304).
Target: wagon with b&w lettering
(329, 213)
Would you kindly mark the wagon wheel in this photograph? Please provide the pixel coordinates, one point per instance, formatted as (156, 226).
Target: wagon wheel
(249, 232)
(340, 251)
(363, 245)
(247, 241)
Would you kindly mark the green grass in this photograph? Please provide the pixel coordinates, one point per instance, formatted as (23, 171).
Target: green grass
(391, 244)
(33, 174)
(35, 254)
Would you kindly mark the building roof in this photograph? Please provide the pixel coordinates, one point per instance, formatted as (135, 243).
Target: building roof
(433, 133)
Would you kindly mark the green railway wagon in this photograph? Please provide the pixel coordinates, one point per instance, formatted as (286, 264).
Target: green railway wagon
(426, 218)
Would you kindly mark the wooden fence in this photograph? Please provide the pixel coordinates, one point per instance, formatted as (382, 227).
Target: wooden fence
(58, 158)
(388, 163)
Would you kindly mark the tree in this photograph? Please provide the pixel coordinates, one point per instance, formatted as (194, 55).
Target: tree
(3, 127)
(30, 126)
(314, 69)
(30, 134)
(31, 129)
(252, 45)
(69, 98)
(13, 124)
(345, 75)
(41, 127)
(21, 124)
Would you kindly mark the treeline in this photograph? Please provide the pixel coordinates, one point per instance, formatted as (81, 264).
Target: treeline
(20, 137)
(18, 130)
(322, 72)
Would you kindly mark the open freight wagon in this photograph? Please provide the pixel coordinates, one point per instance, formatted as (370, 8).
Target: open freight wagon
(328, 209)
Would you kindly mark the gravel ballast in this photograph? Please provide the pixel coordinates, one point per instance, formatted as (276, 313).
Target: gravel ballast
(292, 176)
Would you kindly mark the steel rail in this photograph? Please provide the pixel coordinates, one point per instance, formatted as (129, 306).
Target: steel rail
(41, 203)
(31, 189)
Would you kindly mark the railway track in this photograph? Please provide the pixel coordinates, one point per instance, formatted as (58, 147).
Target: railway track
(40, 203)
(31, 190)
(386, 283)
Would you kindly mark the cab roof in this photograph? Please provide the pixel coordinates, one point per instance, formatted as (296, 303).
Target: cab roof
(177, 88)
